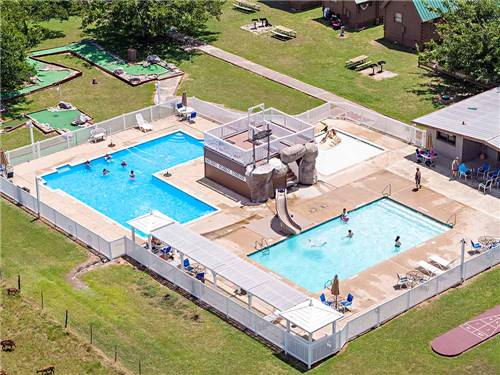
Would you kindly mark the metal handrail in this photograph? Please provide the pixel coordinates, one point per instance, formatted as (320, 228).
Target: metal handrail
(387, 194)
(453, 222)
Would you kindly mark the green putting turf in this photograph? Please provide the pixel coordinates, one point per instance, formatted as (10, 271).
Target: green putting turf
(58, 120)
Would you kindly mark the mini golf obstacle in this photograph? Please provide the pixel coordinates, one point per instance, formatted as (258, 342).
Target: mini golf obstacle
(62, 118)
(468, 334)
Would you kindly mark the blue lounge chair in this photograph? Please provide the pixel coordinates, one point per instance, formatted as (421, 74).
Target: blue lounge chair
(475, 246)
(192, 117)
(179, 109)
(346, 303)
(484, 169)
(464, 171)
(494, 174)
(187, 266)
(323, 299)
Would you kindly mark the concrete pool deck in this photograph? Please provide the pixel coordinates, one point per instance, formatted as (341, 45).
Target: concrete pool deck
(240, 225)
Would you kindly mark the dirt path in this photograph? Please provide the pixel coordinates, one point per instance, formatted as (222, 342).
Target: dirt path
(92, 263)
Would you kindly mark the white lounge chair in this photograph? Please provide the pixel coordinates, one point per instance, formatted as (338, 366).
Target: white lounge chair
(429, 268)
(403, 281)
(486, 185)
(143, 125)
(97, 134)
(442, 263)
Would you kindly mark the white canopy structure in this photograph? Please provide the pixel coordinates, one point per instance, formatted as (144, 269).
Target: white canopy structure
(148, 223)
(311, 316)
(221, 262)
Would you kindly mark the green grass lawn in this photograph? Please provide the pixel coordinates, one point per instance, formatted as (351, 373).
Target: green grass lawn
(19, 137)
(127, 308)
(64, 32)
(317, 56)
(40, 343)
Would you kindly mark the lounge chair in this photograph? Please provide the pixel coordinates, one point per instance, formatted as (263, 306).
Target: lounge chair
(463, 171)
(143, 125)
(484, 169)
(323, 299)
(192, 117)
(403, 281)
(346, 303)
(179, 109)
(487, 185)
(440, 262)
(187, 266)
(476, 246)
(97, 134)
(429, 268)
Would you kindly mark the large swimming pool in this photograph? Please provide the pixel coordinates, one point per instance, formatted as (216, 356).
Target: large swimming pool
(121, 198)
(313, 257)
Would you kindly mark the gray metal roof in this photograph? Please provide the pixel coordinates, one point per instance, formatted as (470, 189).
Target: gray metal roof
(477, 118)
(231, 267)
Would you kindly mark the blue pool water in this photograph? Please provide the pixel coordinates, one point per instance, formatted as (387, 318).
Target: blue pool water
(315, 256)
(122, 199)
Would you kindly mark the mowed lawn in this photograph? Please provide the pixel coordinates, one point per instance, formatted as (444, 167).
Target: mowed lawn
(317, 56)
(156, 325)
(40, 342)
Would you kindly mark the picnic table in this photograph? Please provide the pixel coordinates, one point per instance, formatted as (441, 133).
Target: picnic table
(246, 6)
(357, 60)
(284, 32)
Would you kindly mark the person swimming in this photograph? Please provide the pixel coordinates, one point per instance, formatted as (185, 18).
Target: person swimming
(316, 244)
(105, 172)
(344, 216)
(132, 175)
(87, 164)
(123, 163)
(108, 158)
(397, 242)
(350, 233)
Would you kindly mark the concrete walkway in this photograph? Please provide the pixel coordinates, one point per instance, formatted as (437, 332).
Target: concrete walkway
(167, 89)
(272, 74)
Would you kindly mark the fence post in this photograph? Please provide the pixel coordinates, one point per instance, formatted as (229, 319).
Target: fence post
(37, 187)
(378, 316)
(19, 282)
(116, 352)
(91, 336)
(124, 123)
(41, 298)
(462, 260)
(408, 298)
(66, 319)
(38, 149)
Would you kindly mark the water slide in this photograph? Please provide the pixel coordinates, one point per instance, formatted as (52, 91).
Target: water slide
(288, 225)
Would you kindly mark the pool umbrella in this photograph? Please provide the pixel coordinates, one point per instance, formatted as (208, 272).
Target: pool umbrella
(335, 289)
(3, 158)
(184, 99)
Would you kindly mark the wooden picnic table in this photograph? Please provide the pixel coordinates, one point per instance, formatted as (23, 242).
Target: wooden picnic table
(284, 31)
(358, 59)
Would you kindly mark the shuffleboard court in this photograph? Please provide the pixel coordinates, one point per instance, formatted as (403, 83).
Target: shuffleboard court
(468, 334)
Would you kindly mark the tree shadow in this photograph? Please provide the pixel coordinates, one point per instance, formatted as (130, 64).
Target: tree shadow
(444, 90)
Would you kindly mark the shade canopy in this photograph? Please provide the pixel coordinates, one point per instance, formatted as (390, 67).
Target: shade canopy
(311, 315)
(229, 266)
(150, 222)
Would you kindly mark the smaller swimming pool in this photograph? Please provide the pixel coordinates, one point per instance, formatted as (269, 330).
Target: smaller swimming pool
(349, 151)
(315, 256)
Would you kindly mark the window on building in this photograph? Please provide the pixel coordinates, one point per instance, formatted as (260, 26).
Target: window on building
(448, 138)
(398, 17)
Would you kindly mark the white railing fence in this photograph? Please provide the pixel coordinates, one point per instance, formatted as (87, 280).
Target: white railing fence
(307, 352)
(214, 112)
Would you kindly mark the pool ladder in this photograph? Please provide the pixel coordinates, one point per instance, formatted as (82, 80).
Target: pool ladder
(452, 220)
(259, 245)
(387, 191)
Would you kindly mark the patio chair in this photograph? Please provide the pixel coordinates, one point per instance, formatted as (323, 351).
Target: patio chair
(179, 109)
(200, 276)
(463, 171)
(323, 299)
(143, 125)
(476, 246)
(346, 303)
(440, 262)
(494, 174)
(483, 169)
(403, 281)
(429, 268)
(192, 117)
(187, 266)
(97, 134)
(487, 185)
(418, 154)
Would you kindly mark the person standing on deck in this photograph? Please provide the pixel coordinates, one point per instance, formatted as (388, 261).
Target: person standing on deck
(418, 178)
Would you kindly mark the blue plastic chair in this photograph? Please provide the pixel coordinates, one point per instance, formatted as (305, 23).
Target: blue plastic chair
(475, 246)
(166, 250)
(347, 302)
(484, 169)
(200, 276)
(463, 171)
(494, 174)
(192, 117)
(323, 299)
(187, 266)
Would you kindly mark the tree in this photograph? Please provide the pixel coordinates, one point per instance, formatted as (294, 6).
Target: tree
(20, 30)
(469, 40)
(147, 20)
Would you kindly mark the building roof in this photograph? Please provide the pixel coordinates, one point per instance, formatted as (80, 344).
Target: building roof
(361, 1)
(231, 267)
(311, 315)
(149, 222)
(477, 118)
(425, 8)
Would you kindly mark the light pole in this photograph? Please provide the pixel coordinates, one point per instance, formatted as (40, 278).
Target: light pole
(37, 186)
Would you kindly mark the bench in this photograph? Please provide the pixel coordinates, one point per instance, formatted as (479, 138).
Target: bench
(284, 33)
(352, 63)
(363, 66)
(246, 6)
